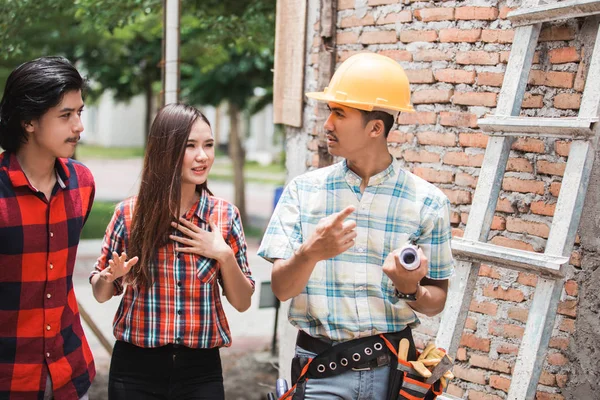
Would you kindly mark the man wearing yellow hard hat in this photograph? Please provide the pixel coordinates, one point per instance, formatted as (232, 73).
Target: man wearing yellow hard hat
(335, 240)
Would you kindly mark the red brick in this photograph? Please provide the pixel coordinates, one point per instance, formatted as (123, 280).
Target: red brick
(418, 36)
(376, 37)
(431, 96)
(497, 35)
(548, 168)
(504, 12)
(548, 396)
(461, 354)
(463, 159)
(519, 165)
(505, 55)
(527, 279)
(498, 223)
(563, 55)
(458, 196)
(485, 363)
(519, 314)
(453, 35)
(471, 323)
(417, 118)
(346, 38)
(381, 2)
(476, 13)
(575, 257)
(476, 395)
(435, 14)
(454, 76)
(315, 160)
(568, 308)
(463, 179)
(548, 379)
(556, 79)
(490, 78)
(345, 4)
(434, 176)
(557, 359)
(475, 99)
(580, 76)
(422, 156)
(483, 307)
(395, 17)
(522, 185)
(567, 325)
(489, 272)
(342, 55)
(419, 75)
(555, 188)
(457, 232)
(479, 140)
(507, 348)
(529, 145)
(458, 119)
(436, 139)
(532, 228)
(398, 55)
(399, 137)
(561, 380)
(562, 148)
(432, 55)
(499, 382)
(505, 205)
(454, 218)
(469, 374)
(477, 57)
(454, 390)
(497, 292)
(515, 244)
(567, 101)
(560, 343)
(532, 101)
(553, 33)
(571, 288)
(506, 330)
(352, 21)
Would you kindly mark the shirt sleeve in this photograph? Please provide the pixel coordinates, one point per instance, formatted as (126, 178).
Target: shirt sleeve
(237, 241)
(435, 241)
(113, 241)
(284, 232)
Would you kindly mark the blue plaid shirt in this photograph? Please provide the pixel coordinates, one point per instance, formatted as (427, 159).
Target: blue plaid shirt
(349, 296)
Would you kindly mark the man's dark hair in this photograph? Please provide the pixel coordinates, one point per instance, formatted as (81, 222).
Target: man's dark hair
(31, 90)
(386, 118)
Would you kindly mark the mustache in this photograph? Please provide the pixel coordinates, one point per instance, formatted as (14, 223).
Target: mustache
(330, 133)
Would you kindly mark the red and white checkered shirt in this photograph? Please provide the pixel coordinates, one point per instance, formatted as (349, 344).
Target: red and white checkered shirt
(183, 305)
(40, 329)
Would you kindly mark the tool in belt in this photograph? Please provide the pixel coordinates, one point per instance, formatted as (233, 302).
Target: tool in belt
(423, 378)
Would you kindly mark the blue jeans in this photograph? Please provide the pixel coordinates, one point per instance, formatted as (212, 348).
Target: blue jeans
(351, 385)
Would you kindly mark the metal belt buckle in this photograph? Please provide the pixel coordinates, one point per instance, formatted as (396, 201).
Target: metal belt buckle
(362, 369)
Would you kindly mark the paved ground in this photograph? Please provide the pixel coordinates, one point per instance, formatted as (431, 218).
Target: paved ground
(249, 368)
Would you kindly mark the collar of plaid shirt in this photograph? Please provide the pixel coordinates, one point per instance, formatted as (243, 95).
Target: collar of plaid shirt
(41, 331)
(349, 296)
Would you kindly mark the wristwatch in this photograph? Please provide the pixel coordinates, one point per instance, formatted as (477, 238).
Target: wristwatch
(407, 297)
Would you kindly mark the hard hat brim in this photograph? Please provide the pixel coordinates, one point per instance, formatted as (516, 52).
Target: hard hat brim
(322, 96)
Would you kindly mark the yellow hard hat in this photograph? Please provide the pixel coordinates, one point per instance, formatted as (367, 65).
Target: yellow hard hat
(368, 81)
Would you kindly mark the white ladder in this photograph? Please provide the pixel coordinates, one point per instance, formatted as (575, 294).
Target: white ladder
(503, 127)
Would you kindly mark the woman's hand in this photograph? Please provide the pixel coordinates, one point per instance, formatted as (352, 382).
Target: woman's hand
(200, 242)
(117, 267)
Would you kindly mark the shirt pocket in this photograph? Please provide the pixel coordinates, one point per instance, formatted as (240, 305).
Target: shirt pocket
(206, 269)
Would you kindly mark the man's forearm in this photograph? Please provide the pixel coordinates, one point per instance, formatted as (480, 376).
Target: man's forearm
(430, 301)
(289, 277)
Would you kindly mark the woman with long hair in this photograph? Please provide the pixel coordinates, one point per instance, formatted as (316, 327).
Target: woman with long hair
(183, 243)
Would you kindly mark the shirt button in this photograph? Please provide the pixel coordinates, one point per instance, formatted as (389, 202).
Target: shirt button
(180, 255)
(51, 266)
(48, 295)
(178, 340)
(179, 283)
(48, 355)
(179, 312)
(361, 288)
(48, 327)
(361, 250)
(51, 234)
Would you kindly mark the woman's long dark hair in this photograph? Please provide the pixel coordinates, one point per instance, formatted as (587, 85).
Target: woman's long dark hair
(159, 197)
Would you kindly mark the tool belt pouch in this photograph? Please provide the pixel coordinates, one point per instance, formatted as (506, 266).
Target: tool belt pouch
(414, 386)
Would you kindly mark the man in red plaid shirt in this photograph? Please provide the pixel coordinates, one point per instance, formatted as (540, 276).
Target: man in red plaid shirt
(45, 199)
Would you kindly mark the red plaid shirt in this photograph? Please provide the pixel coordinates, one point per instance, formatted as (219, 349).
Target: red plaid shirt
(183, 306)
(40, 330)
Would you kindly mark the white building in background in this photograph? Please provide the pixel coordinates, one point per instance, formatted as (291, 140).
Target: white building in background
(109, 123)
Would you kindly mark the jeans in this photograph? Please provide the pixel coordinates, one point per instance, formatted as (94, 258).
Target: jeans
(351, 385)
(168, 372)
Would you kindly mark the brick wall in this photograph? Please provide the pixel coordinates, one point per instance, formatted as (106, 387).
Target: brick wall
(455, 55)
